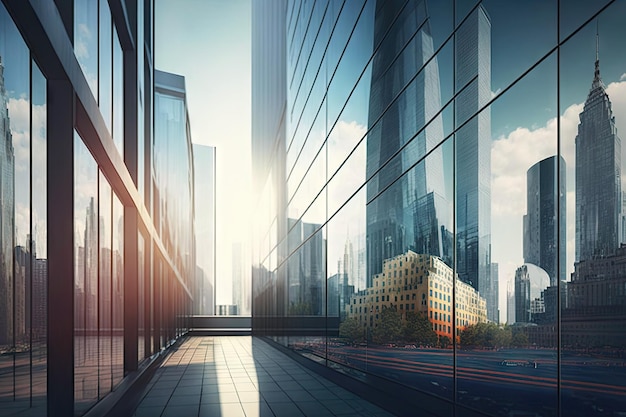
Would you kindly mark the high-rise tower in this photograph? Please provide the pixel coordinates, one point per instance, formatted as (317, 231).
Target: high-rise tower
(473, 152)
(413, 212)
(541, 241)
(598, 174)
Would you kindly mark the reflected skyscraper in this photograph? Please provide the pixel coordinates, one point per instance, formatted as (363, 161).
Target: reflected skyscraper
(598, 175)
(413, 213)
(7, 216)
(540, 221)
(473, 153)
(306, 269)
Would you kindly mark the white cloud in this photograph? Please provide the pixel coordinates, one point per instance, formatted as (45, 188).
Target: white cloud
(622, 77)
(83, 38)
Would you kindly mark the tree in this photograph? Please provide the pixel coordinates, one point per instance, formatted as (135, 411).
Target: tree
(444, 342)
(488, 335)
(351, 330)
(520, 339)
(389, 328)
(419, 330)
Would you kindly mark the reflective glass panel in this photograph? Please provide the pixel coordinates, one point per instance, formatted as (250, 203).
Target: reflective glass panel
(85, 277)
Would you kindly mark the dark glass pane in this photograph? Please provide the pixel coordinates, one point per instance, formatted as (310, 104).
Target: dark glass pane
(104, 282)
(105, 92)
(593, 284)
(86, 40)
(85, 277)
(39, 245)
(15, 230)
(118, 94)
(117, 292)
(507, 249)
(141, 297)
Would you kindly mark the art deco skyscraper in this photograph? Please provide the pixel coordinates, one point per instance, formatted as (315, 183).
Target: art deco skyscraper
(412, 213)
(598, 175)
(473, 153)
(541, 241)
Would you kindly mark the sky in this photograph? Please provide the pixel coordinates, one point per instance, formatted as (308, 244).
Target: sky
(208, 42)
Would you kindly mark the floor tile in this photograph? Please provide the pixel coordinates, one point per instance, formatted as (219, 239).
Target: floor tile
(217, 376)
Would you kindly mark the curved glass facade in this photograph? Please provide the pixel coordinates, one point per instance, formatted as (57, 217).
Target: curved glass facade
(439, 195)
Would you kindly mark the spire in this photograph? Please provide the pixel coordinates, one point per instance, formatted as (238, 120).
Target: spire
(597, 81)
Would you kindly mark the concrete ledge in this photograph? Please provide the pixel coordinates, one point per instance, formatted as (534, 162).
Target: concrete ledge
(221, 332)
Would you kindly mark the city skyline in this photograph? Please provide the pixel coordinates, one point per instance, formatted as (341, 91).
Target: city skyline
(423, 195)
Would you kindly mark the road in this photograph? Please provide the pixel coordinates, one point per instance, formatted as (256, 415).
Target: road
(501, 382)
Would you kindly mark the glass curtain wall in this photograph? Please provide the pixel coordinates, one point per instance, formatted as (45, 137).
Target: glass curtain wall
(23, 226)
(445, 209)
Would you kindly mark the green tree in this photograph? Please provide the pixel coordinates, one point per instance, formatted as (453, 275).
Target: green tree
(488, 335)
(520, 339)
(444, 342)
(419, 330)
(351, 330)
(299, 309)
(389, 326)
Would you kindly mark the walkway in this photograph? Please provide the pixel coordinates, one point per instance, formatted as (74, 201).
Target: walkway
(243, 376)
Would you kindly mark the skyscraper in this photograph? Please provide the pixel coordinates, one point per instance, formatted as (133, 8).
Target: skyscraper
(348, 263)
(541, 218)
(7, 216)
(473, 152)
(598, 175)
(412, 213)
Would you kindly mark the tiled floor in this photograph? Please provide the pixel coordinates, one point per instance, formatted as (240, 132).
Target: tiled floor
(242, 376)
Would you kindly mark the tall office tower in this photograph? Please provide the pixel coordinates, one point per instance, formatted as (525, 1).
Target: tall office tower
(493, 310)
(530, 282)
(349, 270)
(542, 214)
(522, 295)
(473, 151)
(413, 212)
(510, 303)
(239, 265)
(598, 175)
(7, 216)
(306, 269)
(204, 160)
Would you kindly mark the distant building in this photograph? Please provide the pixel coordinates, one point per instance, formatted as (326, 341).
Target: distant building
(204, 165)
(493, 293)
(240, 276)
(510, 303)
(339, 293)
(306, 268)
(226, 310)
(419, 283)
(530, 281)
(544, 198)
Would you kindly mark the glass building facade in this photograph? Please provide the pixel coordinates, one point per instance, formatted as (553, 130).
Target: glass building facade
(413, 159)
(97, 248)
(205, 158)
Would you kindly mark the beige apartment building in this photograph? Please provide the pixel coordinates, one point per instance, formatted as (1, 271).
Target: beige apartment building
(416, 282)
